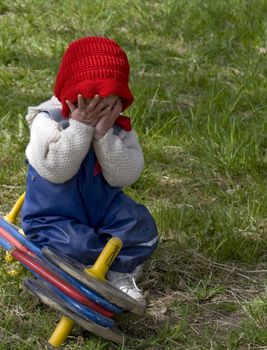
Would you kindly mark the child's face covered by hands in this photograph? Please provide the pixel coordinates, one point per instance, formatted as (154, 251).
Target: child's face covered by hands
(100, 112)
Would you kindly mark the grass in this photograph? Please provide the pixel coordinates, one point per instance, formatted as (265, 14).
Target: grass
(199, 79)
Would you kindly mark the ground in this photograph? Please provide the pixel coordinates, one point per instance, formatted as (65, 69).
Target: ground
(198, 73)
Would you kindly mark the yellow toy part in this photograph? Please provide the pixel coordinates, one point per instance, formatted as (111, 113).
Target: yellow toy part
(105, 259)
(61, 332)
(11, 217)
(14, 212)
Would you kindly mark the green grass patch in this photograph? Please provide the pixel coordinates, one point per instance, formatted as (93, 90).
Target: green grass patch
(198, 73)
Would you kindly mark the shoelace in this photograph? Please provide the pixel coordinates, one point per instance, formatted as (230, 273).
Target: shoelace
(125, 277)
(135, 286)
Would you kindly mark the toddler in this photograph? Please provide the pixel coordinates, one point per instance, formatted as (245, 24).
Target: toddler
(81, 153)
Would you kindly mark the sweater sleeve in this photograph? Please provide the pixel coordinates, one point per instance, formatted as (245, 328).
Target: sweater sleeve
(57, 153)
(120, 156)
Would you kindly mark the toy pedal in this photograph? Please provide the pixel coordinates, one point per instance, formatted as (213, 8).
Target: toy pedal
(49, 297)
(104, 288)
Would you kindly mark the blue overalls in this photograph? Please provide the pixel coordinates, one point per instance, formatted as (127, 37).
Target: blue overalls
(80, 215)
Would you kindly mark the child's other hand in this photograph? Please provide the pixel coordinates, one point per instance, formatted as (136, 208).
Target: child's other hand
(89, 113)
(107, 121)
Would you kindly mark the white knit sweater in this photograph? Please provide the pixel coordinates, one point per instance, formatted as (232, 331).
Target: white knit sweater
(57, 153)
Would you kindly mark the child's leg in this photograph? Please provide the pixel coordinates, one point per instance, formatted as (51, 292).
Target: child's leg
(135, 226)
(79, 241)
(126, 219)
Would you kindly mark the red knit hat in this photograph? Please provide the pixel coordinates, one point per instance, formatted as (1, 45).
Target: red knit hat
(93, 66)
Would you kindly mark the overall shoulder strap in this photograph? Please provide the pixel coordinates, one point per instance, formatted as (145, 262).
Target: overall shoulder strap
(55, 114)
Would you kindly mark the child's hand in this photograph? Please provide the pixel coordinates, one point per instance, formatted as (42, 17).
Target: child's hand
(107, 121)
(89, 113)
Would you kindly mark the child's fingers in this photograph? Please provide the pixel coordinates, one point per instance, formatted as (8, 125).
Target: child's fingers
(117, 109)
(105, 112)
(71, 106)
(93, 103)
(81, 103)
(100, 107)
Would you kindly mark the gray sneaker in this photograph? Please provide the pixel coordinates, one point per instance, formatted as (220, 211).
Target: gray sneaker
(126, 283)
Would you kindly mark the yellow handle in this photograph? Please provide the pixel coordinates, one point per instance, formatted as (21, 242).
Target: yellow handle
(61, 332)
(14, 212)
(11, 217)
(105, 259)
